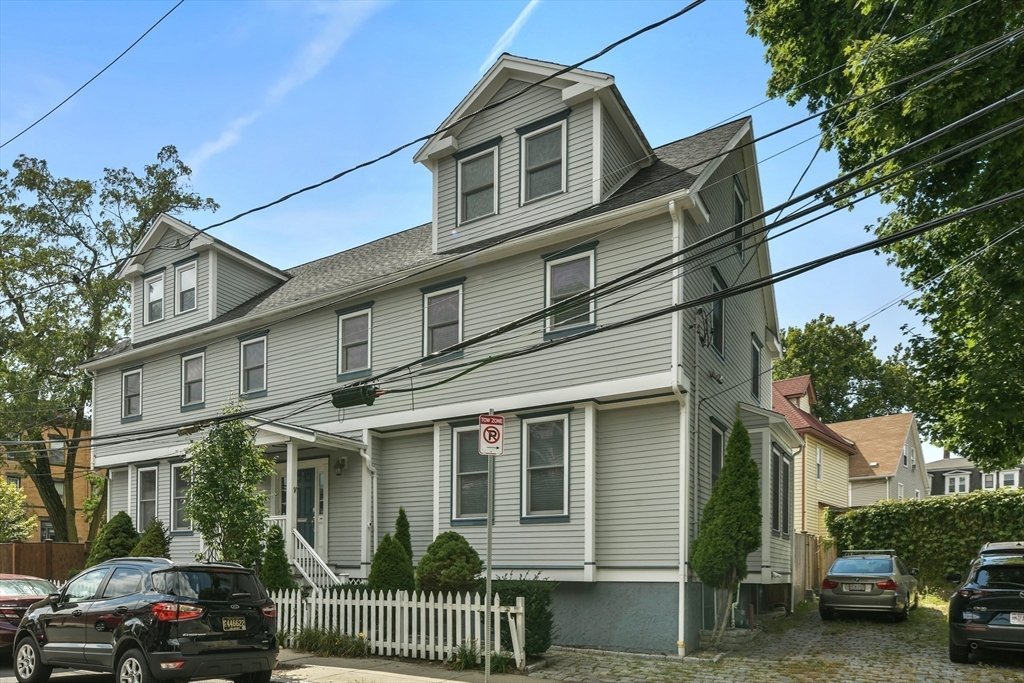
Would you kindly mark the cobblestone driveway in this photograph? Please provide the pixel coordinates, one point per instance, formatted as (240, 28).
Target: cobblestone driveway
(803, 648)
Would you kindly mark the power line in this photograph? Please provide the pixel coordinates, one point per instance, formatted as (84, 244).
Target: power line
(82, 87)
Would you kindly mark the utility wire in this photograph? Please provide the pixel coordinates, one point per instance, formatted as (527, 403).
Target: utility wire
(82, 87)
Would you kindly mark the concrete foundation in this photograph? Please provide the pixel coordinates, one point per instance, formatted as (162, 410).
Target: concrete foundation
(630, 617)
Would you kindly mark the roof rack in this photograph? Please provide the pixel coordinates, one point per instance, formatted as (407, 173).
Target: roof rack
(1002, 548)
(869, 552)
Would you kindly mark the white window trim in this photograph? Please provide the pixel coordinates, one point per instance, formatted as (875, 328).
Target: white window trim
(819, 465)
(156, 493)
(368, 312)
(178, 270)
(201, 354)
(146, 320)
(138, 372)
(899, 491)
(455, 472)
(524, 462)
(426, 314)
(711, 451)
(717, 285)
(917, 494)
(1016, 479)
(906, 460)
(494, 212)
(241, 367)
(996, 478)
(755, 379)
(176, 466)
(956, 476)
(522, 161)
(548, 265)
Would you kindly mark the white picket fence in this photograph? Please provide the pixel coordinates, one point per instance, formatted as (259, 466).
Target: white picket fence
(419, 626)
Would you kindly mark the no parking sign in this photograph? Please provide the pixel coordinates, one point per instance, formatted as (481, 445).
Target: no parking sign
(492, 435)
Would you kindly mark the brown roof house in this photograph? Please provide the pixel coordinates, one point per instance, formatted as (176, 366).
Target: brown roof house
(821, 472)
(889, 463)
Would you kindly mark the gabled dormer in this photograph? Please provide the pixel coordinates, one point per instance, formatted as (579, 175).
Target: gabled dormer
(558, 148)
(182, 278)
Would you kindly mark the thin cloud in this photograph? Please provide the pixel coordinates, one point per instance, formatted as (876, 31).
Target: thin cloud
(341, 21)
(509, 35)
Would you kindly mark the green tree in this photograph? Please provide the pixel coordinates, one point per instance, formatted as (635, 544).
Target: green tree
(154, 542)
(450, 564)
(850, 381)
(391, 569)
(94, 506)
(730, 526)
(275, 573)
(402, 533)
(969, 352)
(61, 302)
(15, 522)
(224, 502)
(117, 538)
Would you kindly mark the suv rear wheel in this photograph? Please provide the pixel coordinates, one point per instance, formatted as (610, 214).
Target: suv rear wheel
(28, 663)
(133, 668)
(958, 653)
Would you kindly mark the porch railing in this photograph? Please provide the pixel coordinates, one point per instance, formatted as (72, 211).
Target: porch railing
(280, 521)
(312, 567)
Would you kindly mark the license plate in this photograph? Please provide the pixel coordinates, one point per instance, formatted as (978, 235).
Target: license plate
(233, 624)
(855, 586)
(1017, 618)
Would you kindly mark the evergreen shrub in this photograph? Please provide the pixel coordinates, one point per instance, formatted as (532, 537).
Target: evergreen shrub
(402, 533)
(116, 538)
(391, 569)
(449, 565)
(154, 542)
(276, 573)
(540, 621)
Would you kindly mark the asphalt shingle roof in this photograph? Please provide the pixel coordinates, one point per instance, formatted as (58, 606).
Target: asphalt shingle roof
(803, 422)
(879, 440)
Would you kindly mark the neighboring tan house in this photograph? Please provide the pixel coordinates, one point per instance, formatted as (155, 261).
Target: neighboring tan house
(951, 476)
(822, 471)
(16, 476)
(889, 464)
(607, 462)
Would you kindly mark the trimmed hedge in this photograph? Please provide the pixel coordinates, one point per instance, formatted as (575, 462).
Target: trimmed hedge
(391, 569)
(450, 564)
(540, 619)
(937, 535)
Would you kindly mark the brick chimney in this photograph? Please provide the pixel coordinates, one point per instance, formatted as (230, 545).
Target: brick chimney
(945, 454)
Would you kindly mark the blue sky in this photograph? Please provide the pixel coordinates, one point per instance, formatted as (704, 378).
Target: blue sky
(264, 97)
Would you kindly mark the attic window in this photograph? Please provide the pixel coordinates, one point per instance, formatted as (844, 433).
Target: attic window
(543, 171)
(185, 299)
(153, 291)
(739, 213)
(478, 177)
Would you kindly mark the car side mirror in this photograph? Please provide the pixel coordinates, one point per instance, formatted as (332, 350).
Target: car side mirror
(53, 598)
(913, 572)
(953, 577)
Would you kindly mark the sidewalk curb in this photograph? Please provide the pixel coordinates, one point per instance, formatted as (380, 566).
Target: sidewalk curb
(638, 655)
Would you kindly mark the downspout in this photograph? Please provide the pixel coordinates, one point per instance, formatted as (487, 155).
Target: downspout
(684, 456)
(366, 453)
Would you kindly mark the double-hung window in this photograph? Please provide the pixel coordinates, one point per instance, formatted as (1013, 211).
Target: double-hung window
(717, 452)
(818, 462)
(755, 368)
(57, 451)
(905, 456)
(354, 341)
(956, 483)
(717, 314)
(192, 379)
(545, 467)
(146, 502)
(567, 277)
(179, 487)
(917, 494)
(542, 153)
(131, 394)
(739, 213)
(253, 363)
(899, 491)
(478, 184)
(1009, 479)
(470, 475)
(989, 481)
(786, 483)
(780, 490)
(442, 319)
(185, 283)
(153, 299)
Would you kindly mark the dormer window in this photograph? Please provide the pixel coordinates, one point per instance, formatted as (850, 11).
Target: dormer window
(185, 300)
(153, 292)
(543, 168)
(478, 180)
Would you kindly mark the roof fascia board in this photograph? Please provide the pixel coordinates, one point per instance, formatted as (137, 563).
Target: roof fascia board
(872, 476)
(821, 436)
(416, 274)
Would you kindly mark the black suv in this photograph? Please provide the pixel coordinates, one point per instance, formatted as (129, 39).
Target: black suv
(147, 619)
(987, 610)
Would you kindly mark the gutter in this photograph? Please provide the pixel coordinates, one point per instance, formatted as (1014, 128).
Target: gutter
(678, 389)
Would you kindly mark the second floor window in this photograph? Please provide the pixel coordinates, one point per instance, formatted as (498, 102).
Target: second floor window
(153, 293)
(717, 314)
(443, 319)
(186, 286)
(478, 179)
(543, 168)
(56, 451)
(354, 342)
(818, 456)
(739, 213)
(567, 277)
(131, 394)
(254, 365)
(755, 369)
(470, 480)
(192, 380)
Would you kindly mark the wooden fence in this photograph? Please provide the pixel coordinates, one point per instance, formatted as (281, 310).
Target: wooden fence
(46, 559)
(419, 626)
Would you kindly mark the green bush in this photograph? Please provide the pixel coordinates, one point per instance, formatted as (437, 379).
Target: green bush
(936, 535)
(540, 618)
(325, 643)
(402, 532)
(116, 538)
(276, 573)
(391, 569)
(449, 565)
(154, 542)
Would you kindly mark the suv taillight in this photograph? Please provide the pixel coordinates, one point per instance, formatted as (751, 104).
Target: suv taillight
(269, 611)
(172, 611)
(887, 585)
(968, 593)
(829, 584)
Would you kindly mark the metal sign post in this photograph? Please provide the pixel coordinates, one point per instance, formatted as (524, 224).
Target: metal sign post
(491, 443)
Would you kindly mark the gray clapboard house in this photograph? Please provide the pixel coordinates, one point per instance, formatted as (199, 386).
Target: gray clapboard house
(612, 441)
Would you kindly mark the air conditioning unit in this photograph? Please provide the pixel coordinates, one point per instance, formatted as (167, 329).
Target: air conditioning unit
(913, 467)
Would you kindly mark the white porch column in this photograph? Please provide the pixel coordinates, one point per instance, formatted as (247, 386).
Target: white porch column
(291, 473)
(365, 509)
(589, 477)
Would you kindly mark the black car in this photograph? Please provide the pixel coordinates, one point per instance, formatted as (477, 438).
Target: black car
(987, 610)
(147, 619)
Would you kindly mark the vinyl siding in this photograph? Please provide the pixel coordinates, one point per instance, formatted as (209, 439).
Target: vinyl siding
(637, 487)
(535, 105)
(618, 161)
(910, 477)
(165, 256)
(405, 470)
(118, 492)
(756, 450)
(237, 283)
(867, 492)
(515, 545)
(831, 490)
(344, 520)
(184, 545)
